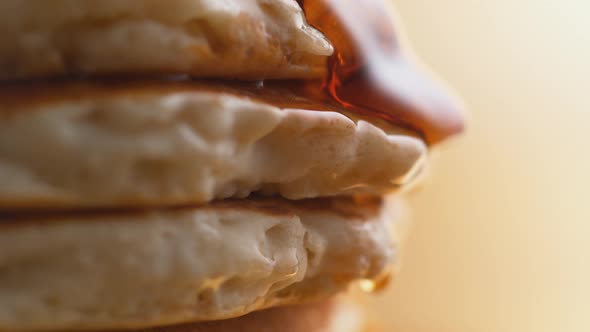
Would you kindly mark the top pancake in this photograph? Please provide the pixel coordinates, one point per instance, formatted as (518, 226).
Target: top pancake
(204, 38)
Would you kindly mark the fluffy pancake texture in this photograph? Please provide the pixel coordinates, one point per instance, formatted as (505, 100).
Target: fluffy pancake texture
(330, 316)
(92, 145)
(207, 38)
(99, 271)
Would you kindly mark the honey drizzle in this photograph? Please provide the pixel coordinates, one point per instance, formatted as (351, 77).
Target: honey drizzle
(370, 74)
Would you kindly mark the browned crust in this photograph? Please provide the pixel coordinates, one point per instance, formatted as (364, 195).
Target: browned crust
(31, 95)
(354, 208)
(305, 95)
(296, 94)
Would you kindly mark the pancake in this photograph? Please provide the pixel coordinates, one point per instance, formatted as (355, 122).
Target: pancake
(169, 143)
(139, 269)
(203, 165)
(329, 316)
(205, 38)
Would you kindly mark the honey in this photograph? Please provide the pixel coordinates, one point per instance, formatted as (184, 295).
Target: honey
(377, 285)
(370, 74)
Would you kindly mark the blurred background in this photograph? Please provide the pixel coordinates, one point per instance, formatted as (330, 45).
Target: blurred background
(501, 233)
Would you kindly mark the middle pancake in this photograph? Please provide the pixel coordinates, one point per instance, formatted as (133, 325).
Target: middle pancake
(93, 145)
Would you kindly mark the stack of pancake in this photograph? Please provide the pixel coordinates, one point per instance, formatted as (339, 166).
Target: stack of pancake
(147, 182)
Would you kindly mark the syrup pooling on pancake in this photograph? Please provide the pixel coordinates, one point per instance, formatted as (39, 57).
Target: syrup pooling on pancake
(370, 74)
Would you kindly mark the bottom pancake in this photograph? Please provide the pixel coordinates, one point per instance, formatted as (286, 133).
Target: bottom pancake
(89, 271)
(330, 316)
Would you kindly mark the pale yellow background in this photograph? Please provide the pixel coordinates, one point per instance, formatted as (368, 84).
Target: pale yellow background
(501, 236)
